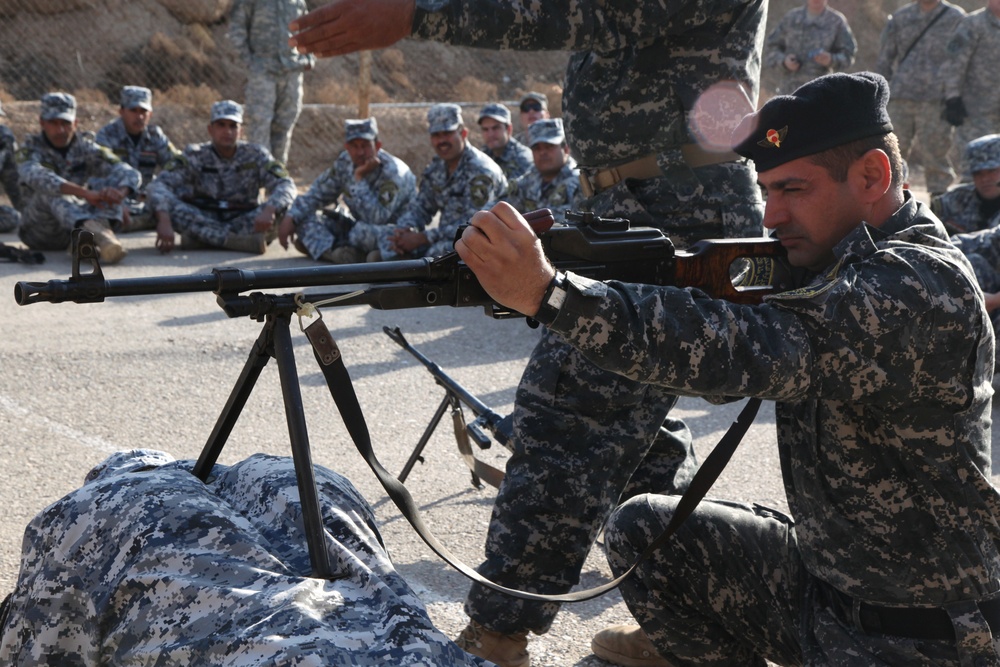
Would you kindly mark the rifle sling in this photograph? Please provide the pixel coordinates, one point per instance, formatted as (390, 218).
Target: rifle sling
(922, 33)
(339, 382)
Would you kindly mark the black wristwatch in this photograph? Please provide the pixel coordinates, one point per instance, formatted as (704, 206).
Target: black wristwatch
(553, 299)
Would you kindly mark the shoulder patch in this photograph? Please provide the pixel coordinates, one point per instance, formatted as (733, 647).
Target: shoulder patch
(387, 192)
(480, 188)
(277, 169)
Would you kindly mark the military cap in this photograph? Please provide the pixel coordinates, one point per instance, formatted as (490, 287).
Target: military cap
(547, 130)
(829, 111)
(534, 97)
(444, 118)
(227, 110)
(137, 97)
(983, 153)
(497, 112)
(58, 106)
(360, 128)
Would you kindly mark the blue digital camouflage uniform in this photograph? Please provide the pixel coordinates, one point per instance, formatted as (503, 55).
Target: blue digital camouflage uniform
(373, 205)
(476, 181)
(10, 216)
(637, 73)
(259, 31)
(561, 194)
(880, 369)
(802, 35)
(147, 153)
(145, 564)
(201, 172)
(911, 55)
(516, 159)
(49, 217)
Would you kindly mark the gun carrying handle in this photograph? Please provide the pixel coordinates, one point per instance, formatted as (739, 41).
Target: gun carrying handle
(706, 265)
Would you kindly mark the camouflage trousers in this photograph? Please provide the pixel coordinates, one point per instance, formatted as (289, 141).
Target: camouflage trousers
(211, 227)
(146, 564)
(10, 219)
(273, 104)
(328, 229)
(582, 433)
(922, 131)
(48, 221)
(730, 588)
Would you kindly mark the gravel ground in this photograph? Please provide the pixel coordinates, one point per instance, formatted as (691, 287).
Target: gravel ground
(80, 381)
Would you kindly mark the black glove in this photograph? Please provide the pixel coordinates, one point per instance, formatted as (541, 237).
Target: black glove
(954, 111)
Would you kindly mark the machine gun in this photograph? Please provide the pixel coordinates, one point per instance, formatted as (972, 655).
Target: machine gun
(595, 247)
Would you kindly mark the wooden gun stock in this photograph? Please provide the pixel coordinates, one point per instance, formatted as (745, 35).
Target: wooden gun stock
(706, 266)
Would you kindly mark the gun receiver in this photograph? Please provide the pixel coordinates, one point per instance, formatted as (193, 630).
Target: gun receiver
(599, 248)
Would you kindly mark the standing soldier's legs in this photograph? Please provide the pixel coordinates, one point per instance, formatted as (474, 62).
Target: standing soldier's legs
(904, 125)
(261, 96)
(935, 137)
(287, 107)
(726, 589)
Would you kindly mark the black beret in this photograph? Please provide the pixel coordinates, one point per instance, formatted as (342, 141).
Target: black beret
(830, 111)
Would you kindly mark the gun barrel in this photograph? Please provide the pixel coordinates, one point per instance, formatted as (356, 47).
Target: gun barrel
(228, 280)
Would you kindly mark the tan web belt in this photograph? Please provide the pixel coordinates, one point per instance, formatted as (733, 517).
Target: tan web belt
(592, 182)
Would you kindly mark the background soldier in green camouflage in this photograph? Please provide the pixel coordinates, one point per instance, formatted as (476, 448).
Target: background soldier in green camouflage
(143, 146)
(553, 181)
(973, 206)
(210, 193)
(649, 117)
(499, 143)
(259, 30)
(972, 96)
(808, 42)
(459, 181)
(912, 49)
(10, 216)
(376, 187)
(147, 564)
(56, 168)
(879, 368)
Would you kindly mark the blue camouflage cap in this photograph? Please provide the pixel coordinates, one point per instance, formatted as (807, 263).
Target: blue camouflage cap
(497, 112)
(546, 130)
(137, 97)
(227, 110)
(360, 128)
(58, 106)
(444, 118)
(983, 153)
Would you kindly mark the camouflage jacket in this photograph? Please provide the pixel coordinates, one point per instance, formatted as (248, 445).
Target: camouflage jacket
(637, 69)
(974, 51)
(259, 30)
(43, 169)
(911, 59)
(880, 369)
(961, 210)
(457, 196)
(561, 194)
(378, 199)
(515, 161)
(146, 564)
(149, 153)
(201, 172)
(8, 167)
(801, 35)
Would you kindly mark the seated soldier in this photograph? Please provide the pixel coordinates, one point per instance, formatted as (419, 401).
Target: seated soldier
(145, 564)
(553, 182)
(973, 206)
(459, 181)
(10, 216)
(143, 146)
(375, 185)
(57, 169)
(499, 143)
(210, 194)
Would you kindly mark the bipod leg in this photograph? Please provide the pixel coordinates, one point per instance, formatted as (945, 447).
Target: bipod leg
(312, 512)
(448, 400)
(260, 353)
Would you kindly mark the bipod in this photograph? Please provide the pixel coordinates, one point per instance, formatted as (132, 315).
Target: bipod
(275, 340)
